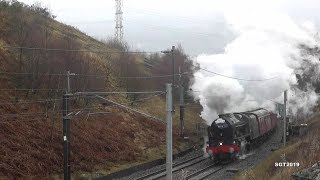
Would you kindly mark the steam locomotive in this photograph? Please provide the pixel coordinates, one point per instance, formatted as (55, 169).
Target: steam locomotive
(233, 133)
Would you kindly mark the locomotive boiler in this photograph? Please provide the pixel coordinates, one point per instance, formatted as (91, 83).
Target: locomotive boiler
(231, 134)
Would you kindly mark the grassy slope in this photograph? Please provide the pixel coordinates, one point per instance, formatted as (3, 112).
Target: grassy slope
(32, 146)
(156, 150)
(304, 149)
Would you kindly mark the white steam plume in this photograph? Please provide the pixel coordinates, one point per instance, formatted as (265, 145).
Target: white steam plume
(266, 46)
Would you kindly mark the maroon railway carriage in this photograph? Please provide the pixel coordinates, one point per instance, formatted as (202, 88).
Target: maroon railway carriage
(234, 132)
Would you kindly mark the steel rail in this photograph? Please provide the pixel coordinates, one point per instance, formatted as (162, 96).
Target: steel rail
(174, 165)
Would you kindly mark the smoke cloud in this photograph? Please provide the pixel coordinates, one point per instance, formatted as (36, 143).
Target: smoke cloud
(267, 51)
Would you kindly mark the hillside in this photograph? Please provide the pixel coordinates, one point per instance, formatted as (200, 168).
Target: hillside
(36, 51)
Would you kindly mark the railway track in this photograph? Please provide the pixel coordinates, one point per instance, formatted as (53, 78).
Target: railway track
(198, 174)
(176, 167)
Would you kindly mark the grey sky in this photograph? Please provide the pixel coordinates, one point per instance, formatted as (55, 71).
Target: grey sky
(158, 24)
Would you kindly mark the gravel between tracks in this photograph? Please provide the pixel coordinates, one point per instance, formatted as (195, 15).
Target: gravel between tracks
(159, 167)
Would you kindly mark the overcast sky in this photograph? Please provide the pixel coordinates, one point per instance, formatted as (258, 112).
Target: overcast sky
(153, 25)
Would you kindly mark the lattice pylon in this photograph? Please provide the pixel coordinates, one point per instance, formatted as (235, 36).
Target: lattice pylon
(119, 26)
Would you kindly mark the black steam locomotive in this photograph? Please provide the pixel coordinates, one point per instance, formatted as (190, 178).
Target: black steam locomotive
(231, 133)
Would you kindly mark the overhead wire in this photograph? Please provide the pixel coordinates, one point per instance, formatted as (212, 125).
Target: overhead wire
(147, 98)
(3, 102)
(128, 103)
(133, 77)
(156, 26)
(180, 30)
(101, 76)
(159, 13)
(91, 22)
(13, 115)
(148, 12)
(230, 77)
(41, 113)
(32, 89)
(24, 120)
(131, 109)
(152, 77)
(26, 73)
(77, 50)
(200, 107)
(114, 92)
(29, 102)
(35, 89)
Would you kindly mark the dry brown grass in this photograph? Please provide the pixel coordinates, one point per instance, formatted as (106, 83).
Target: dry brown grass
(102, 143)
(304, 149)
(34, 148)
(156, 107)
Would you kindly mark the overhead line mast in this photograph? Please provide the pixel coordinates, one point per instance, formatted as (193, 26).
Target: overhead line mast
(119, 26)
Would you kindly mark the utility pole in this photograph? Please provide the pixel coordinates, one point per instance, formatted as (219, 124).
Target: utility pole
(68, 81)
(172, 59)
(119, 26)
(181, 105)
(285, 117)
(169, 131)
(66, 130)
(66, 138)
